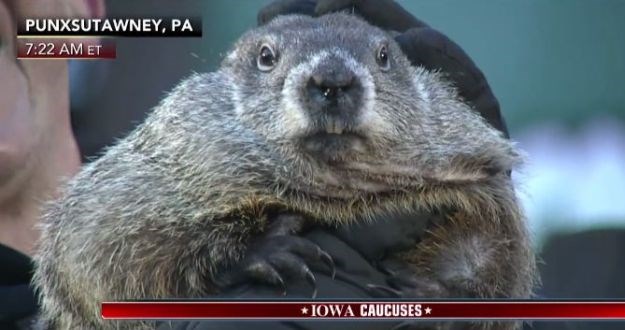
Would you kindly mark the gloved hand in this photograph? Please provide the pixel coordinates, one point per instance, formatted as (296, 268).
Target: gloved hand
(423, 45)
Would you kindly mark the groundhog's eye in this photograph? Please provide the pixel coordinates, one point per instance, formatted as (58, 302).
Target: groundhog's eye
(267, 58)
(383, 58)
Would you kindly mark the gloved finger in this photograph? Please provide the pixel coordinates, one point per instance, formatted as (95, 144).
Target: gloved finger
(385, 14)
(435, 51)
(285, 7)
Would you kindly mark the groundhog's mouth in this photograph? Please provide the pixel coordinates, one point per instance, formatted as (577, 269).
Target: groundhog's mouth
(343, 183)
(333, 146)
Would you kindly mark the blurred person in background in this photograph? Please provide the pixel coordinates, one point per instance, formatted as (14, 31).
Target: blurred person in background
(37, 148)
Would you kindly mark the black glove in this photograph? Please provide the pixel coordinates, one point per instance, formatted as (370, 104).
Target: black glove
(422, 45)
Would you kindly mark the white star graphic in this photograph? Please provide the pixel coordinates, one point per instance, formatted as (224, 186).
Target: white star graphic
(428, 310)
(304, 310)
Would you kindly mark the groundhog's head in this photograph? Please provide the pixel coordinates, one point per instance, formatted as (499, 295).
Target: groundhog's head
(346, 108)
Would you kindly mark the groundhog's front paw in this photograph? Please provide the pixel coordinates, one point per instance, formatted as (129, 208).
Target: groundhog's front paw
(410, 287)
(276, 255)
(404, 282)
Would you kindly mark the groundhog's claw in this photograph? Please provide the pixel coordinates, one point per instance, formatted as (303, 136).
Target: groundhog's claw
(404, 286)
(261, 269)
(381, 291)
(287, 224)
(294, 266)
(276, 254)
(406, 282)
(327, 260)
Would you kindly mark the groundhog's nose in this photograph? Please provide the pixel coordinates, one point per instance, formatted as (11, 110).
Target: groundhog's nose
(330, 87)
(333, 89)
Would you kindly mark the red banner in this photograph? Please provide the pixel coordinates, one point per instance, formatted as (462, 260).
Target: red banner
(274, 310)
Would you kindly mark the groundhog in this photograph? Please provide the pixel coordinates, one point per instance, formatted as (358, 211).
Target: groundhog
(319, 117)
